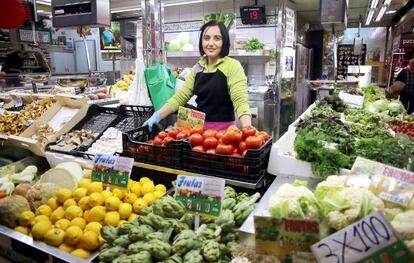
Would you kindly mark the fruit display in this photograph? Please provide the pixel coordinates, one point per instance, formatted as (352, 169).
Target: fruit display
(74, 139)
(99, 94)
(403, 127)
(123, 85)
(70, 218)
(164, 232)
(109, 143)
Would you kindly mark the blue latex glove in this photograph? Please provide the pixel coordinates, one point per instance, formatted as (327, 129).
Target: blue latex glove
(155, 118)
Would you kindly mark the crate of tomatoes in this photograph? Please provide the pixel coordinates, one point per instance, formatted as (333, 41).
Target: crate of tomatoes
(233, 153)
(156, 147)
(403, 127)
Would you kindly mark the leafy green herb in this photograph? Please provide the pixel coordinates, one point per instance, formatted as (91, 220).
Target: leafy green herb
(253, 45)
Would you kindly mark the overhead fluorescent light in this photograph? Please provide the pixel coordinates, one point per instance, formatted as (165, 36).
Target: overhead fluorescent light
(45, 2)
(374, 4)
(187, 3)
(391, 12)
(369, 17)
(387, 2)
(114, 11)
(381, 13)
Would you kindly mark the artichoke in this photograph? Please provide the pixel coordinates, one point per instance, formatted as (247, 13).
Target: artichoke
(137, 247)
(140, 232)
(180, 226)
(229, 192)
(109, 233)
(187, 219)
(211, 250)
(127, 227)
(173, 259)
(233, 248)
(243, 209)
(122, 241)
(242, 196)
(185, 241)
(168, 206)
(231, 236)
(154, 235)
(228, 203)
(146, 211)
(193, 256)
(141, 257)
(109, 254)
(154, 221)
(159, 250)
(226, 220)
(206, 220)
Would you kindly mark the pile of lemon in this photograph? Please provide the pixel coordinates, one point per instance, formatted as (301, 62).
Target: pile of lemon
(72, 220)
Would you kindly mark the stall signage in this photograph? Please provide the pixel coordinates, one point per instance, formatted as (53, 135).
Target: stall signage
(188, 118)
(389, 183)
(283, 237)
(200, 195)
(346, 58)
(112, 170)
(370, 240)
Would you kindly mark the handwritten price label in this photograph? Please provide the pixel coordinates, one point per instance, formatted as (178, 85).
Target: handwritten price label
(368, 240)
(112, 170)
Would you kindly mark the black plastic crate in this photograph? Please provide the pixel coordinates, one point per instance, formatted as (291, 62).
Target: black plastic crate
(132, 117)
(97, 120)
(16, 108)
(135, 146)
(250, 168)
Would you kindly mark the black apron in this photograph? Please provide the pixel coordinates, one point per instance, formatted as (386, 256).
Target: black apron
(213, 97)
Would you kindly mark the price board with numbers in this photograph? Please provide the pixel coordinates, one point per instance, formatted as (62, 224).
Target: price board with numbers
(347, 58)
(112, 170)
(200, 195)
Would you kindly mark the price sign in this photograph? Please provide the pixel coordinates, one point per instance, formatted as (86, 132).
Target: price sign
(200, 195)
(389, 183)
(188, 118)
(112, 170)
(369, 240)
(282, 237)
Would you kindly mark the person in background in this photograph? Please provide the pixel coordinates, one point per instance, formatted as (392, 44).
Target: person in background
(217, 80)
(14, 62)
(404, 85)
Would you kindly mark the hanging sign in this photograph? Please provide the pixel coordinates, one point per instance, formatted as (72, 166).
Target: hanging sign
(200, 195)
(188, 118)
(282, 237)
(346, 58)
(370, 240)
(112, 170)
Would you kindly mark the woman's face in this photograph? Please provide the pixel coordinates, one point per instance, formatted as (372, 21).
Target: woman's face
(212, 42)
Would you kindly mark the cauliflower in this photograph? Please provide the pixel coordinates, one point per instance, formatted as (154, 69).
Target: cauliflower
(390, 213)
(410, 245)
(403, 225)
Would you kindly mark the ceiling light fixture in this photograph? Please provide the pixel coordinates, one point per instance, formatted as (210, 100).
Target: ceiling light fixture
(187, 2)
(44, 2)
(387, 2)
(369, 17)
(381, 13)
(391, 12)
(374, 4)
(114, 11)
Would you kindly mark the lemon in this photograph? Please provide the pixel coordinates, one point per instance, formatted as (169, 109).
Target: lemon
(158, 194)
(84, 182)
(96, 199)
(73, 211)
(39, 218)
(63, 194)
(95, 187)
(79, 193)
(136, 189)
(25, 218)
(52, 203)
(58, 214)
(54, 237)
(131, 183)
(149, 198)
(119, 193)
(96, 214)
(132, 217)
(22, 229)
(79, 221)
(106, 194)
(44, 210)
(82, 253)
(125, 210)
(130, 198)
(144, 180)
(72, 235)
(62, 224)
(86, 214)
(161, 187)
(147, 187)
(40, 229)
(121, 222)
(139, 204)
(66, 248)
(89, 240)
(94, 226)
(69, 202)
(84, 203)
(112, 203)
(112, 218)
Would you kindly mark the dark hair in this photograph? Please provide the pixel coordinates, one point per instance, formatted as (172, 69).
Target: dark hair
(224, 36)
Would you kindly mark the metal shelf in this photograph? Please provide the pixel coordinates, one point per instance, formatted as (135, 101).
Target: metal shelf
(233, 53)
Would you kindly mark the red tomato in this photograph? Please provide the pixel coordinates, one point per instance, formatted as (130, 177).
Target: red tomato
(210, 143)
(167, 140)
(220, 134)
(229, 137)
(236, 150)
(162, 135)
(157, 140)
(197, 129)
(238, 137)
(249, 131)
(236, 154)
(209, 133)
(150, 141)
(264, 134)
(254, 142)
(173, 132)
(186, 131)
(242, 146)
(224, 149)
(244, 153)
(196, 139)
(211, 151)
(182, 135)
(198, 148)
(232, 128)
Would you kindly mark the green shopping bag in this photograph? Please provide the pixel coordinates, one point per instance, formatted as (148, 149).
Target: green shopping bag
(161, 84)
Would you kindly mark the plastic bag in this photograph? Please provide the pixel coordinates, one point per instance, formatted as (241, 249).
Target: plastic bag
(138, 92)
(161, 84)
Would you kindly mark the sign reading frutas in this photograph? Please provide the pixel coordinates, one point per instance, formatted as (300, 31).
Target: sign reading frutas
(188, 118)
(200, 195)
(370, 240)
(112, 170)
(280, 236)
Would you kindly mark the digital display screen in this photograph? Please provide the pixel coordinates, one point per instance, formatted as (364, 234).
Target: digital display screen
(253, 15)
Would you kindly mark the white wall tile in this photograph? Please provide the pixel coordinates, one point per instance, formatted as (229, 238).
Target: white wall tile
(209, 7)
(185, 13)
(197, 12)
